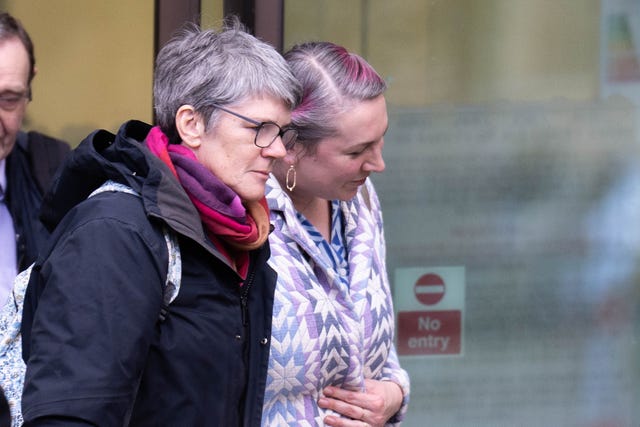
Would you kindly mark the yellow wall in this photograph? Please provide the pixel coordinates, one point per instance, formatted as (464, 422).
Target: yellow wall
(211, 13)
(94, 60)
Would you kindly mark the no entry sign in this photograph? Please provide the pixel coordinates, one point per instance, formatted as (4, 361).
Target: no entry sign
(429, 289)
(429, 305)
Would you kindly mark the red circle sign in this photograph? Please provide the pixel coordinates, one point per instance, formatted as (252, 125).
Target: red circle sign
(429, 289)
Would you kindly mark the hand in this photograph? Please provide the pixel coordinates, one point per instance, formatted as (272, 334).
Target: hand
(373, 407)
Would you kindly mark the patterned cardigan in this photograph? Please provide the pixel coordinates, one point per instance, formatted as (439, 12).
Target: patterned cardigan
(325, 333)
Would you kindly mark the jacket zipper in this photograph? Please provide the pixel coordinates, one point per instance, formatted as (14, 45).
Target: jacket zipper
(244, 297)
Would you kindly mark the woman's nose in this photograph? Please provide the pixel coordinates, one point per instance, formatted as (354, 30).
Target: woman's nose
(276, 149)
(376, 162)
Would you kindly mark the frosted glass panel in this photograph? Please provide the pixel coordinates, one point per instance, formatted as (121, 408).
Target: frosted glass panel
(540, 205)
(511, 201)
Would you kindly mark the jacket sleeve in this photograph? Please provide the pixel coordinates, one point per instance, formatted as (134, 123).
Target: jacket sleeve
(391, 371)
(93, 325)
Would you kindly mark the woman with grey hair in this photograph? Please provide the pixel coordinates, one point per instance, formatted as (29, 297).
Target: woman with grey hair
(105, 344)
(333, 361)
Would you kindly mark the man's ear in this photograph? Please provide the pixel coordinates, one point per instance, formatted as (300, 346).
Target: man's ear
(190, 126)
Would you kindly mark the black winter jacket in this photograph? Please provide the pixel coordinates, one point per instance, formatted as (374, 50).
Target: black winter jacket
(97, 353)
(31, 166)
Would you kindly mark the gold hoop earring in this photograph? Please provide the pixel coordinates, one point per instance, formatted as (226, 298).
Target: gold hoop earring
(287, 180)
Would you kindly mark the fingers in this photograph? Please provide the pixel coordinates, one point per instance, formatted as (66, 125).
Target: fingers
(334, 421)
(362, 414)
(367, 408)
(352, 411)
(353, 397)
(343, 408)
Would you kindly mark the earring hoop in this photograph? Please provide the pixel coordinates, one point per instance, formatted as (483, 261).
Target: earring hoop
(287, 180)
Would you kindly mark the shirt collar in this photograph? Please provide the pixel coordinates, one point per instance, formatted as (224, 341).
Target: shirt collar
(3, 175)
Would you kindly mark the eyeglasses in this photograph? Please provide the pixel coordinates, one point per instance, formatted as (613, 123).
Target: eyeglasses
(266, 132)
(11, 101)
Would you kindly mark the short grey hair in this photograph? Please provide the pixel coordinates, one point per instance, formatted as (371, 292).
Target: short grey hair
(202, 67)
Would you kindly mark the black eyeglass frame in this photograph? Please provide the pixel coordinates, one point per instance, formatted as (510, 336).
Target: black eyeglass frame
(260, 125)
(10, 101)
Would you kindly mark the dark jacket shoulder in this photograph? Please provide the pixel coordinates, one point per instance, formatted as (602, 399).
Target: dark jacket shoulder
(31, 166)
(46, 154)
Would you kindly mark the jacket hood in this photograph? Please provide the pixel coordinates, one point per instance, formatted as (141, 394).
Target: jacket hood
(123, 158)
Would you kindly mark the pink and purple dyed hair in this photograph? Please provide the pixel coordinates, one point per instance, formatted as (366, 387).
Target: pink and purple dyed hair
(332, 78)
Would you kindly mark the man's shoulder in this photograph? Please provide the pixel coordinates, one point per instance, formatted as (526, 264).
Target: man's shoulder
(42, 144)
(45, 154)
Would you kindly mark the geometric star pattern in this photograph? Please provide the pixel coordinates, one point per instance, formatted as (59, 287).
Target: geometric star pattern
(325, 332)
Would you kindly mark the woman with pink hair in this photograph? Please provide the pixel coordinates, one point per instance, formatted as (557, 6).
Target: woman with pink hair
(332, 359)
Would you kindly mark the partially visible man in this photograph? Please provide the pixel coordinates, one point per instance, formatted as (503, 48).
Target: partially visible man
(28, 161)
